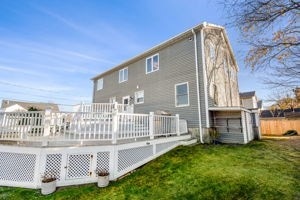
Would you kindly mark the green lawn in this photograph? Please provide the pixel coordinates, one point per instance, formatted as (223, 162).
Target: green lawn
(260, 170)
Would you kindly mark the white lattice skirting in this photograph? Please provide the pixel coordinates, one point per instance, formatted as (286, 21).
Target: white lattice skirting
(24, 166)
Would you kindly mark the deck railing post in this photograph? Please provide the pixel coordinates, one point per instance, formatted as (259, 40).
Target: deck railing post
(47, 121)
(114, 125)
(177, 125)
(115, 106)
(151, 125)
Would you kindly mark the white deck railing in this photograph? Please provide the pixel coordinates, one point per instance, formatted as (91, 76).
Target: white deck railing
(19, 125)
(85, 126)
(105, 107)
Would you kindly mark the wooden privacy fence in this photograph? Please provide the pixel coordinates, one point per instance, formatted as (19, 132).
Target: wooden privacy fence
(278, 126)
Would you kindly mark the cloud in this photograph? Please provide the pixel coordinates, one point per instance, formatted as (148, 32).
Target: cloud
(59, 66)
(87, 57)
(18, 70)
(50, 51)
(101, 32)
(67, 22)
(42, 87)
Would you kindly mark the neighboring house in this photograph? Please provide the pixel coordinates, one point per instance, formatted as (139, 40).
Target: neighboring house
(249, 100)
(193, 74)
(280, 113)
(15, 106)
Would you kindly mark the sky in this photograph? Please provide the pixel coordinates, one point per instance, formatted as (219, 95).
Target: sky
(50, 49)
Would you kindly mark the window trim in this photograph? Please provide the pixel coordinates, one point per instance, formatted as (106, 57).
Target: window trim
(188, 94)
(151, 57)
(122, 70)
(135, 97)
(97, 88)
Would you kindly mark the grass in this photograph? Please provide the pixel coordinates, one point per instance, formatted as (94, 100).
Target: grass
(259, 170)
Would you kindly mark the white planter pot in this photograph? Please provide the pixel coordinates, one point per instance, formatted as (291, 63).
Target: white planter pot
(48, 188)
(103, 181)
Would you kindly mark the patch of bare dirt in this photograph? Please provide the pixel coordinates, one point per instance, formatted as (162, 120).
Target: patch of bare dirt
(292, 141)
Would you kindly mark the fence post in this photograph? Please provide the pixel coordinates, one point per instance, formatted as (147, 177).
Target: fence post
(151, 125)
(177, 124)
(47, 122)
(114, 126)
(115, 107)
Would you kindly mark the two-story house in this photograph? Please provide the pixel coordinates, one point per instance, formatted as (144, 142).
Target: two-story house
(193, 74)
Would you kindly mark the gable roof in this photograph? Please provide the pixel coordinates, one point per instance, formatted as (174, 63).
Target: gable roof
(245, 95)
(27, 105)
(167, 43)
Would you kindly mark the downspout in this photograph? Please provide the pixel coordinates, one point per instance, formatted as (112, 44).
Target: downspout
(198, 90)
(204, 76)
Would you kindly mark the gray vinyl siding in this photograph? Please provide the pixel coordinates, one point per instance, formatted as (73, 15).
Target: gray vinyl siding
(231, 138)
(176, 65)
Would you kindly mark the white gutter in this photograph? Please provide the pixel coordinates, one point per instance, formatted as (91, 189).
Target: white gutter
(204, 76)
(198, 91)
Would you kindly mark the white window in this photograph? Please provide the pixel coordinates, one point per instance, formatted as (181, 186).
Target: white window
(100, 84)
(152, 64)
(232, 74)
(139, 97)
(182, 94)
(112, 99)
(123, 75)
(212, 53)
(225, 67)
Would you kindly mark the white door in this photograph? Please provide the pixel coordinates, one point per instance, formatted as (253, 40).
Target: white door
(126, 101)
(79, 166)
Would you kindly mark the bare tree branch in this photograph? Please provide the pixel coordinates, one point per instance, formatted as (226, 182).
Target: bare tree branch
(271, 30)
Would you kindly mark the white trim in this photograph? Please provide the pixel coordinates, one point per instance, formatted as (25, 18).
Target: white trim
(244, 126)
(151, 57)
(204, 78)
(123, 75)
(188, 94)
(97, 85)
(135, 97)
(233, 108)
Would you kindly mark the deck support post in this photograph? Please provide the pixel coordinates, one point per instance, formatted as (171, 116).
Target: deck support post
(114, 125)
(177, 125)
(47, 121)
(151, 125)
(116, 106)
